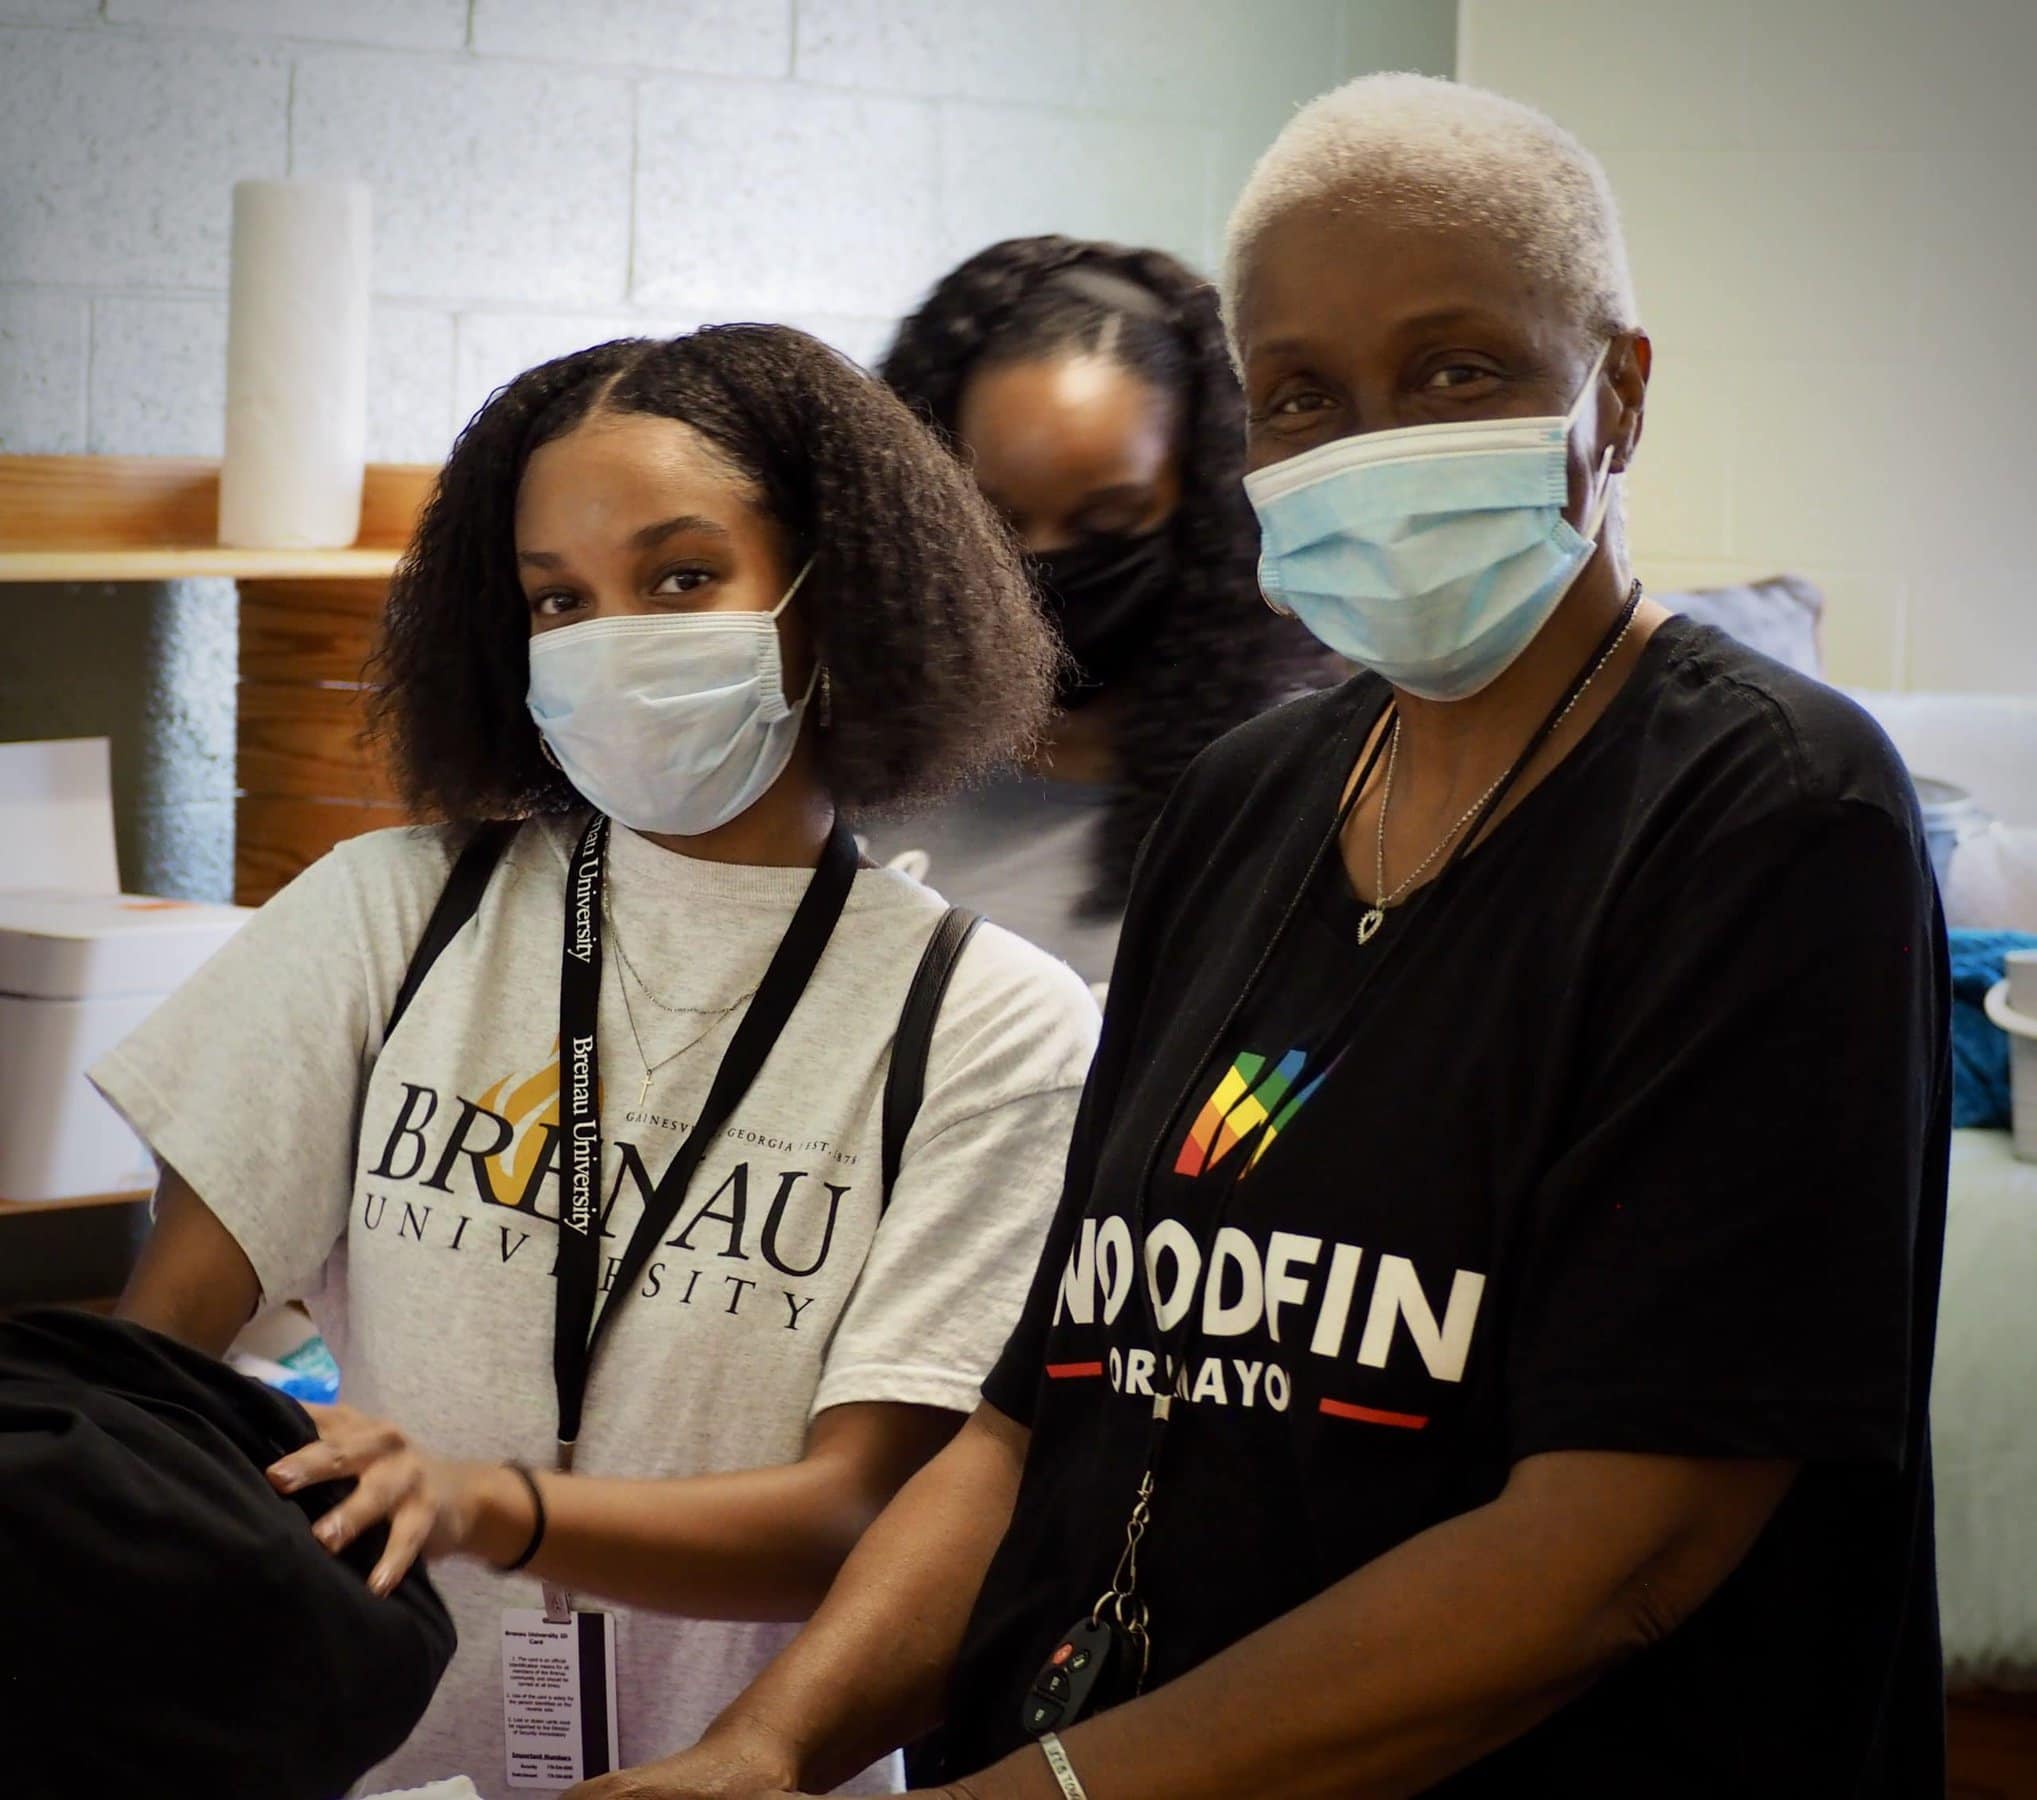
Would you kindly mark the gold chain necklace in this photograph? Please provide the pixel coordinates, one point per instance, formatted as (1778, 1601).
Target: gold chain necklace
(622, 975)
(1374, 915)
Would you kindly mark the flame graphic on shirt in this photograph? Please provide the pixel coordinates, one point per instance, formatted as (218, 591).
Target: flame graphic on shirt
(529, 1104)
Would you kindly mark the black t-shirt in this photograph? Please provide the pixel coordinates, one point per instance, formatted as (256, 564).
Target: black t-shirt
(1639, 1144)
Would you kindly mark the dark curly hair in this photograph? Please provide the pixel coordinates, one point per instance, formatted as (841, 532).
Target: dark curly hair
(1221, 657)
(939, 663)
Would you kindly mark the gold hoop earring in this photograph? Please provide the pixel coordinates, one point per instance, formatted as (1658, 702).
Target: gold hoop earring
(545, 750)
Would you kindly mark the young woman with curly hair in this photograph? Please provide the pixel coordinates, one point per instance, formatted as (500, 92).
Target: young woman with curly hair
(1089, 389)
(678, 608)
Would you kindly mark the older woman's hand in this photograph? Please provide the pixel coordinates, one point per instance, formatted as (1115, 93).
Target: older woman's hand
(430, 1502)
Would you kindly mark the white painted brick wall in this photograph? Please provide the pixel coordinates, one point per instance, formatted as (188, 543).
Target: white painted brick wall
(846, 182)
(410, 395)
(1008, 171)
(118, 152)
(158, 384)
(1832, 211)
(50, 12)
(711, 37)
(44, 346)
(413, 24)
(978, 49)
(547, 175)
(488, 178)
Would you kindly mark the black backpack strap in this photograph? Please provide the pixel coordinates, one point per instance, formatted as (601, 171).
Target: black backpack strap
(458, 901)
(906, 1085)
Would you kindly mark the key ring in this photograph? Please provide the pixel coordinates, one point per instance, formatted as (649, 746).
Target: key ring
(1127, 1610)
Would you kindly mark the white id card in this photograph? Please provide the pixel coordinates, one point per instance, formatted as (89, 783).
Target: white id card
(558, 1698)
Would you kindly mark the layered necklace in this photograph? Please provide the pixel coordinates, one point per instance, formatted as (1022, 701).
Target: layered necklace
(713, 1015)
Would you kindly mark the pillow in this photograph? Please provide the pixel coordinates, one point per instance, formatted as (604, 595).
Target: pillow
(1986, 743)
(1994, 880)
(1777, 616)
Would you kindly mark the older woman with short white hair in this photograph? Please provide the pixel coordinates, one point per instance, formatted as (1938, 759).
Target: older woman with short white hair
(1485, 1341)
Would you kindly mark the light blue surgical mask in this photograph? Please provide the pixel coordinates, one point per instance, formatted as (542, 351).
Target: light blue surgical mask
(669, 722)
(1432, 554)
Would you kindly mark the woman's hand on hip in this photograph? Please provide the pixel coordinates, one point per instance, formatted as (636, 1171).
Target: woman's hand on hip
(430, 1503)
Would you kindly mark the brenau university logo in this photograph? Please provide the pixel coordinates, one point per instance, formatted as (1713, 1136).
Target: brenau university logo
(775, 1215)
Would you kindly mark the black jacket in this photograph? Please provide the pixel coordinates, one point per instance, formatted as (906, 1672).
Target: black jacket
(169, 1624)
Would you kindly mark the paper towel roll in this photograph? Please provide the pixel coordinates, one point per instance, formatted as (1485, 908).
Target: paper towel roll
(296, 365)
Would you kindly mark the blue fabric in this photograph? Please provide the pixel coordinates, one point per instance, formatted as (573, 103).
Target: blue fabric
(1980, 1048)
(310, 1374)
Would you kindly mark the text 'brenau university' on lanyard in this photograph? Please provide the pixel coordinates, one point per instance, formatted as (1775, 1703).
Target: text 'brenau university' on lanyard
(577, 1328)
(1116, 1633)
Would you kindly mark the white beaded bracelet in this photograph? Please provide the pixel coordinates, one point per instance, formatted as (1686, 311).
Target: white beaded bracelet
(1064, 1772)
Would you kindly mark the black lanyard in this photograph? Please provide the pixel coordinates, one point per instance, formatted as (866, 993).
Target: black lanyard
(1350, 1021)
(1121, 1604)
(578, 1331)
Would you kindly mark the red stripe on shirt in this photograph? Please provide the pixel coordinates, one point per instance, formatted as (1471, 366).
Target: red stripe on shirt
(1072, 1371)
(1371, 1415)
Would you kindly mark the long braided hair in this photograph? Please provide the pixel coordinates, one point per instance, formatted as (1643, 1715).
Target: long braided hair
(1220, 657)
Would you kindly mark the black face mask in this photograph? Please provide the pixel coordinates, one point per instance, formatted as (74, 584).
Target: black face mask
(1106, 596)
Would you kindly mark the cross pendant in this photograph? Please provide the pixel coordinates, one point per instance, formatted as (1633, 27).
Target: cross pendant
(643, 1091)
(1369, 922)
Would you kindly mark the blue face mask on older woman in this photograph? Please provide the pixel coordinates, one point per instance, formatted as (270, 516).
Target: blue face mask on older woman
(1432, 554)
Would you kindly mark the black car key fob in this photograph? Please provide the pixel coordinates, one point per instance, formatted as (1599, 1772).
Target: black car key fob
(1060, 1692)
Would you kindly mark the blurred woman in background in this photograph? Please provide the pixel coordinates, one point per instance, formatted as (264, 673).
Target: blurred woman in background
(1090, 390)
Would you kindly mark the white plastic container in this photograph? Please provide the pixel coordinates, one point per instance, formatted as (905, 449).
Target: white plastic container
(78, 972)
(2012, 1004)
(1951, 816)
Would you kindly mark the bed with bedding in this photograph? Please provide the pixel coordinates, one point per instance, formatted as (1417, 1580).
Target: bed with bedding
(1984, 1390)
(1984, 1448)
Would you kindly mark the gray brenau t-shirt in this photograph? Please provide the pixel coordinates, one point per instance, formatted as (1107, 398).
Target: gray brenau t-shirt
(1020, 850)
(409, 1191)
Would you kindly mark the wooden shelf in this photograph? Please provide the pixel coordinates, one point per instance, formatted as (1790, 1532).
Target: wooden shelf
(308, 621)
(155, 518)
(360, 563)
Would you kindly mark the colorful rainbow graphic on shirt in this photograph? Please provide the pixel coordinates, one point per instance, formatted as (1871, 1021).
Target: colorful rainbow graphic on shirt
(1247, 1098)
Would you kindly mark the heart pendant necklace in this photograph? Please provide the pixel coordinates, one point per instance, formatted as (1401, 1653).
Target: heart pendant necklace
(1374, 915)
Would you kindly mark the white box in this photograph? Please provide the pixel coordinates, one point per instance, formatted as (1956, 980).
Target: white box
(78, 972)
